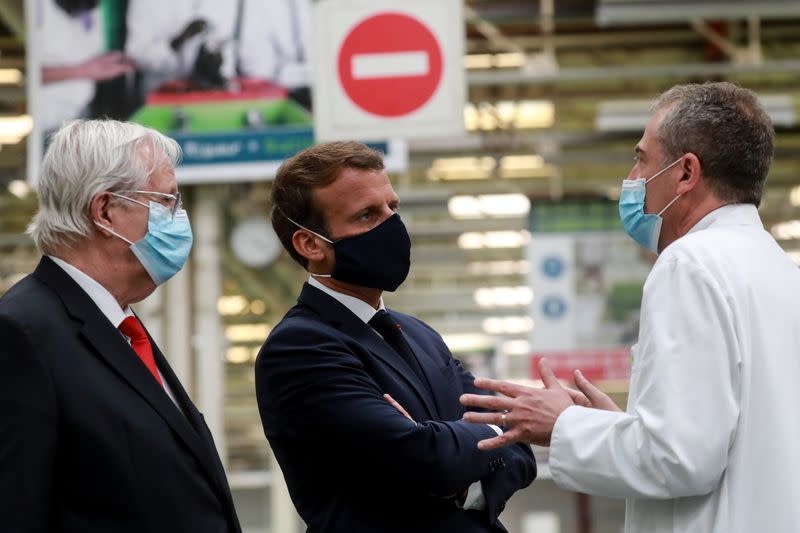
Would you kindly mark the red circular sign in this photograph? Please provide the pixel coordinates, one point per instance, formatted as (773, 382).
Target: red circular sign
(390, 64)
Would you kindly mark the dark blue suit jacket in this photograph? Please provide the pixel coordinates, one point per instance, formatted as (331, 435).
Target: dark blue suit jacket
(352, 462)
(89, 441)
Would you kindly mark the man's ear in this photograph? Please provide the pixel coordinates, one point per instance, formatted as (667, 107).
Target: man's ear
(98, 212)
(692, 173)
(308, 245)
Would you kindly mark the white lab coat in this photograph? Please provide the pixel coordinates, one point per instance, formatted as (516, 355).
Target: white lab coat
(709, 441)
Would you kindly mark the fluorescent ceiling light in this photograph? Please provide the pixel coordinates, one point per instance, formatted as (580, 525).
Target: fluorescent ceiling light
(503, 325)
(478, 61)
(794, 196)
(489, 205)
(510, 60)
(462, 168)
(498, 268)
(19, 188)
(231, 305)
(493, 239)
(524, 166)
(489, 297)
(633, 115)
(240, 354)
(516, 347)
(519, 114)
(13, 129)
(487, 61)
(462, 342)
(786, 230)
(613, 12)
(247, 332)
(10, 76)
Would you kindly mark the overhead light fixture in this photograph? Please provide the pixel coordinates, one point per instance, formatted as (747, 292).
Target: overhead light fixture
(501, 60)
(10, 76)
(786, 230)
(239, 354)
(633, 115)
(464, 342)
(794, 196)
(489, 205)
(14, 128)
(516, 347)
(462, 168)
(620, 12)
(19, 188)
(478, 61)
(247, 332)
(489, 297)
(232, 305)
(510, 60)
(498, 268)
(503, 325)
(518, 114)
(474, 240)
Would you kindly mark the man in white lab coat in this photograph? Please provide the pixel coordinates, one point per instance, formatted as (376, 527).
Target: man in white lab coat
(709, 440)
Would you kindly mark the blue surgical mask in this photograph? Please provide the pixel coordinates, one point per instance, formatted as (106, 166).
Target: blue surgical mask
(643, 228)
(165, 247)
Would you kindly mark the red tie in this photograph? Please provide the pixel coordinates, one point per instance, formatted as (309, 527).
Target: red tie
(132, 328)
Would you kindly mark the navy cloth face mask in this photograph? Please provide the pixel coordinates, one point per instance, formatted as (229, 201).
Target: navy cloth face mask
(379, 258)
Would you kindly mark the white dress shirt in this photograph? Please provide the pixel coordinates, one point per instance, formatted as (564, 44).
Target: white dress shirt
(107, 304)
(708, 443)
(475, 498)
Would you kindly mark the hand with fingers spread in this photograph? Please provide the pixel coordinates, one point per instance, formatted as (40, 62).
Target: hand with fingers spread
(528, 413)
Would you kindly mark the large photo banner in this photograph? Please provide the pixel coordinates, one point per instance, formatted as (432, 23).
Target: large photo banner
(229, 80)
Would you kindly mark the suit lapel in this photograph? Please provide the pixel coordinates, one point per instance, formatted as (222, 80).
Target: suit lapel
(210, 460)
(345, 321)
(108, 344)
(442, 395)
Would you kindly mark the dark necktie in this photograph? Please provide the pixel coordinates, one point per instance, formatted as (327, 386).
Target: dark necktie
(133, 329)
(391, 332)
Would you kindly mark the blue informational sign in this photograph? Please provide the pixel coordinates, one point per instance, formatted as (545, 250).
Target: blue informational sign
(552, 266)
(554, 307)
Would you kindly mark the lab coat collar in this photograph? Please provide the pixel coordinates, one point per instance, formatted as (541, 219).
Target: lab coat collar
(730, 215)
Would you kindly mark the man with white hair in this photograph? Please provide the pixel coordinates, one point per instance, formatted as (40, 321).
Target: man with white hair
(96, 432)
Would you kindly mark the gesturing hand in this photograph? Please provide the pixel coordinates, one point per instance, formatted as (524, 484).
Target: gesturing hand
(530, 413)
(589, 395)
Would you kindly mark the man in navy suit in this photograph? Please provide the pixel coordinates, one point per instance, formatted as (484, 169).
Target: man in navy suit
(334, 375)
(97, 434)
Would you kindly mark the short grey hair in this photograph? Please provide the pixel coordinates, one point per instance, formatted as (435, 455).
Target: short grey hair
(727, 129)
(84, 158)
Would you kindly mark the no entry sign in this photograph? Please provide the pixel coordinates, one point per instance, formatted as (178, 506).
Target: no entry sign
(386, 71)
(390, 64)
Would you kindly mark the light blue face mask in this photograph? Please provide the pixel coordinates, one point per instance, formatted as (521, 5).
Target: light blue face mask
(165, 247)
(643, 228)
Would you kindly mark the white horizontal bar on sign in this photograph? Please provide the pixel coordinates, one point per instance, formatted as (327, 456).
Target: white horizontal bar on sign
(390, 65)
